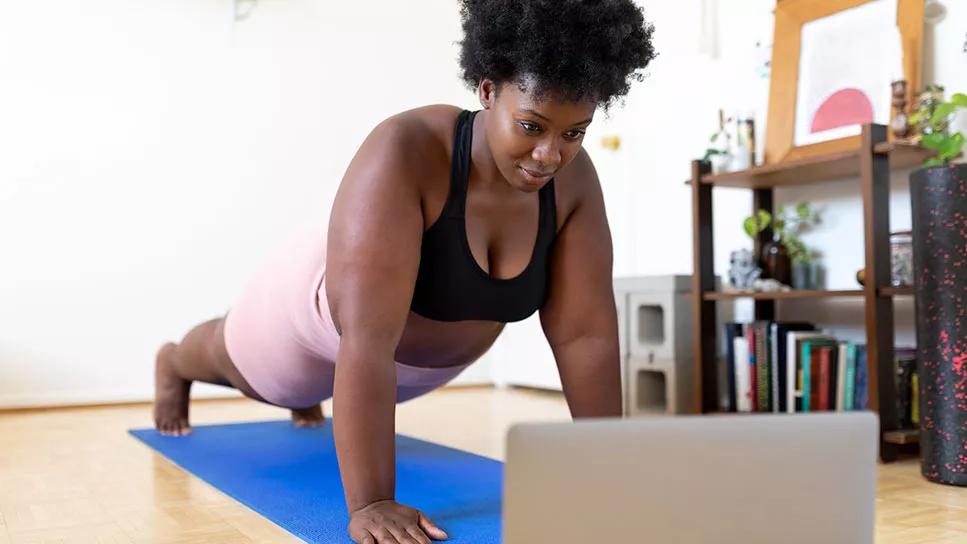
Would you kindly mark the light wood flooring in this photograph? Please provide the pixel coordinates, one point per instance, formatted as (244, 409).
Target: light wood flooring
(75, 475)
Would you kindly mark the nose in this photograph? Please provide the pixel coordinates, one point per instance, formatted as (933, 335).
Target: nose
(547, 153)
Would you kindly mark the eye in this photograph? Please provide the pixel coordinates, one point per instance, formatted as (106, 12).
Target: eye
(529, 127)
(574, 135)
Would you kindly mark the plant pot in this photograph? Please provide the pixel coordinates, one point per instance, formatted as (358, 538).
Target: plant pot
(939, 199)
(805, 276)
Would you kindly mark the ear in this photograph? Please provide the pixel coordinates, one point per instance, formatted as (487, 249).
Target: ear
(487, 93)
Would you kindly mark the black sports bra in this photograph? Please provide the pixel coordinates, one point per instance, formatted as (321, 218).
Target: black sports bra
(451, 286)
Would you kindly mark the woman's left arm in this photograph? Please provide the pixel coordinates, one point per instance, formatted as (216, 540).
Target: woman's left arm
(579, 316)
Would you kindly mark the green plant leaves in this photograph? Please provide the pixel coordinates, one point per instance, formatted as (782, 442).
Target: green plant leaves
(930, 163)
(757, 223)
(959, 100)
(951, 147)
(934, 141)
(941, 113)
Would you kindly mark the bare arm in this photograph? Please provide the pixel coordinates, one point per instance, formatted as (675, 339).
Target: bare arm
(375, 234)
(579, 318)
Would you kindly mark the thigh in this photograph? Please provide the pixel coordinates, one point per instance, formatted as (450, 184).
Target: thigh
(227, 367)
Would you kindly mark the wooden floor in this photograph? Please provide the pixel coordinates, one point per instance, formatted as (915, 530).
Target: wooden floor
(74, 475)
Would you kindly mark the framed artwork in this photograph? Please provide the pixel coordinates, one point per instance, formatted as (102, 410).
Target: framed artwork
(832, 65)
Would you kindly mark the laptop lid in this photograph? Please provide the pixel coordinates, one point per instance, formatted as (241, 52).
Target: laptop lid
(693, 479)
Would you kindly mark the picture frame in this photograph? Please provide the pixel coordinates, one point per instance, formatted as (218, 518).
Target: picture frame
(823, 86)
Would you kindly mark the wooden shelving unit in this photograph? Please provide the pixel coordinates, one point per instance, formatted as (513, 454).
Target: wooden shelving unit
(871, 165)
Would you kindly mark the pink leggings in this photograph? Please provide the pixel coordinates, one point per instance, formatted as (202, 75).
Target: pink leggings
(281, 338)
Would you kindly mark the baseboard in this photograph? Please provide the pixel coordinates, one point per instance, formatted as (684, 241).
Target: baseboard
(56, 399)
(61, 399)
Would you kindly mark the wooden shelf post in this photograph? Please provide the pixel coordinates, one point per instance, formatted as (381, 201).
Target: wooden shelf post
(875, 187)
(703, 280)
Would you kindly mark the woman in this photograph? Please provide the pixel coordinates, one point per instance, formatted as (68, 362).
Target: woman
(447, 225)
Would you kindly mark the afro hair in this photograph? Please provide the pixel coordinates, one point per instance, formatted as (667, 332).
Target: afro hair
(575, 49)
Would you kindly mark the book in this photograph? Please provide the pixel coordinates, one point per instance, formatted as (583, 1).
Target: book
(849, 389)
(782, 401)
(905, 365)
(915, 399)
(841, 376)
(732, 331)
(810, 371)
(861, 399)
(743, 383)
(823, 356)
(762, 377)
(794, 375)
(750, 337)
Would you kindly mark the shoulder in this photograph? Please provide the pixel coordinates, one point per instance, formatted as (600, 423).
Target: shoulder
(428, 129)
(412, 147)
(576, 185)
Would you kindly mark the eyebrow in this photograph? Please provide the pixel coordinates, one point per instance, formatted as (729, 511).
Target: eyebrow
(534, 113)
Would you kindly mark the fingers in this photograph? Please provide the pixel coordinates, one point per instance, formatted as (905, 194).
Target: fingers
(385, 536)
(418, 535)
(367, 538)
(431, 529)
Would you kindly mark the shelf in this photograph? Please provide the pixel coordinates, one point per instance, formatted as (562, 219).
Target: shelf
(781, 295)
(803, 293)
(906, 436)
(896, 291)
(817, 169)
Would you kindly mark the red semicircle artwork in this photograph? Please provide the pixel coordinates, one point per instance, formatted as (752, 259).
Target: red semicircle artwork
(843, 108)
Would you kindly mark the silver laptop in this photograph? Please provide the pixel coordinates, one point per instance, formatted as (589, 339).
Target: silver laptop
(693, 479)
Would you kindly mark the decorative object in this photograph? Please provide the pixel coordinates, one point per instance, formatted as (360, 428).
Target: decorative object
(776, 261)
(743, 155)
(861, 276)
(901, 259)
(243, 8)
(805, 275)
(769, 285)
(719, 147)
(742, 269)
(939, 197)
(611, 143)
(832, 66)
(900, 125)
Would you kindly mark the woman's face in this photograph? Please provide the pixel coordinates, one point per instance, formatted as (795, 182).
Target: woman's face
(532, 140)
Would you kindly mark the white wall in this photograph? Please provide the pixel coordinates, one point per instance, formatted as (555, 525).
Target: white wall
(154, 152)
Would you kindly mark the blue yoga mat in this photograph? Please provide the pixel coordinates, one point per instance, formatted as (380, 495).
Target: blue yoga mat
(290, 476)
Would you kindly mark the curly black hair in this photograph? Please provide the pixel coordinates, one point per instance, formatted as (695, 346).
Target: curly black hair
(575, 49)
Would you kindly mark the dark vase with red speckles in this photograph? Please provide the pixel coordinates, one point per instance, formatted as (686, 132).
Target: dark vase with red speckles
(939, 198)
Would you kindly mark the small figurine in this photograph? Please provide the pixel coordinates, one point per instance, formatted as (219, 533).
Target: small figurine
(900, 122)
(742, 269)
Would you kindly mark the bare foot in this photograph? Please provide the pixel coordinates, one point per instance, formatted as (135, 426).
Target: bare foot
(308, 417)
(170, 395)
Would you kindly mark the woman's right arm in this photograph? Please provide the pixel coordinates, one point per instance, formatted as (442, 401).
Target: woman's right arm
(373, 257)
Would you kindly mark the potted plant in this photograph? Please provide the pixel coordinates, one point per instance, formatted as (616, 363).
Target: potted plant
(939, 199)
(789, 225)
(717, 154)
(786, 258)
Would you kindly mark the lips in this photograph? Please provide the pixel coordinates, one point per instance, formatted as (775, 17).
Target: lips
(536, 173)
(534, 177)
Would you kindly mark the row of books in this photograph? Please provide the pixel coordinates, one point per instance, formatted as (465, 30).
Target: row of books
(793, 367)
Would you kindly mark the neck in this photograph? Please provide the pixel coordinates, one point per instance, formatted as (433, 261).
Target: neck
(483, 168)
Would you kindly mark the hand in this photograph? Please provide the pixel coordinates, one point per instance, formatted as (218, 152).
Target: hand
(388, 522)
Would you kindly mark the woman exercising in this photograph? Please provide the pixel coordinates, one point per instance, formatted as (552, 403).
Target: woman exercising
(447, 225)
